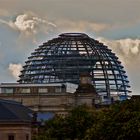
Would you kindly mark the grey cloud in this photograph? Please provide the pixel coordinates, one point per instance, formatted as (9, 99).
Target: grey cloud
(4, 12)
(105, 11)
(80, 26)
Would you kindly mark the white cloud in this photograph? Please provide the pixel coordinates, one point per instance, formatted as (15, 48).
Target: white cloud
(15, 69)
(127, 49)
(30, 24)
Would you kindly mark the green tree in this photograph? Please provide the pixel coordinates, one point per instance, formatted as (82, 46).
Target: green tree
(120, 121)
(79, 120)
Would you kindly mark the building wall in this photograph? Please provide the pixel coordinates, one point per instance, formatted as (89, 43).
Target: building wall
(56, 98)
(51, 102)
(20, 132)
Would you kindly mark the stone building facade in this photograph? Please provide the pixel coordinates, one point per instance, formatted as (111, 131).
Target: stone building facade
(15, 131)
(15, 121)
(57, 98)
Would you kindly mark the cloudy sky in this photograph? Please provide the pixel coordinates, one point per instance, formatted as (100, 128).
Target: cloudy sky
(25, 24)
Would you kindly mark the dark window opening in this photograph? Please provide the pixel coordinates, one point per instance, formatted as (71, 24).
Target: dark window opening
(11, 137)
(27, 137)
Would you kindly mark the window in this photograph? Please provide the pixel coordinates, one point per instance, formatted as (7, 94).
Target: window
(42, 90)
(11, 137)
(58, 89)
(7, 90)
(27, 137)
(105, 97)
(25, 90)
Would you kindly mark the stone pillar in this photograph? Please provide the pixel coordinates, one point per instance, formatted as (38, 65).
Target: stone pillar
(85, 93)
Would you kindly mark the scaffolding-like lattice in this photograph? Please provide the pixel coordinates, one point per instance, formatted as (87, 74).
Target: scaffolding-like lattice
(63, 59)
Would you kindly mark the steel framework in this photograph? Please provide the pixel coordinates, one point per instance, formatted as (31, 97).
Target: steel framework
(63, 59)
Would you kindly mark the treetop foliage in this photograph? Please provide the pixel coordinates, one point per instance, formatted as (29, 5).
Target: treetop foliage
(120, 121)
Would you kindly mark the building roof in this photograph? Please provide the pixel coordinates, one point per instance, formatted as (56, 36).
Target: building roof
(11, 111)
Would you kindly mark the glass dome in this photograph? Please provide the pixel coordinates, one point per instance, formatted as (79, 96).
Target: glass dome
(63, 59)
